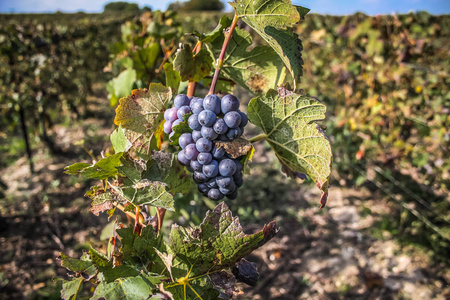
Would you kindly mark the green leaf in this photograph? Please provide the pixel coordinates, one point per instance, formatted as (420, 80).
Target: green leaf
(179, 129)
(141, 113)
(173, 78)
(218, 243)
(82, 267)
(144, 60)
(103, 169)
(273, 20)
(224, 23)
(192, 67)
(223, 85)
(302, 11)
(121, 85)
(257, 70)
(139, 250)
(71, 288)
(119, 141)
(147, 192)
(288, 121)
(109, 271)
(76, 168)
(166, 168)
(132, 288)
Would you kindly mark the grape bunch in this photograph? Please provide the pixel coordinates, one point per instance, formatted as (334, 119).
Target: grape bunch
(211, 119)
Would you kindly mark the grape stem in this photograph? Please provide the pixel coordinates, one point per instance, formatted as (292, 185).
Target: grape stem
(222, 54)
(257, 138)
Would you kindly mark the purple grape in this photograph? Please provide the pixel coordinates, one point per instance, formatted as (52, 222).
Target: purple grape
(233, 195)
(182, 159)
(212, 183)
(218, 152)
(171, 114)
(207, 118)
(220, 127)
(212, 103)
(234, 133)
(197, 105)
(212, 169)
(181, 100)
(203, 188)
(204, 158)
(239, 181)
(232, 119)
(229, 103)
(196, 134)
(188, 167)
(209, 133)
(223, 138)
(227, 167)
(182, 111)
(166, 114)
(238, 167)
(185, 139)
(176, 122)
(244, 119)
(196, 166)
(215, 194)
(225, 182)
(199, 177)
(193, 122)
(203, 145)
(191, 152)
(167, 127)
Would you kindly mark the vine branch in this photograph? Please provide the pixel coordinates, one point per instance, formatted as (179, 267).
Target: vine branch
(222, 54)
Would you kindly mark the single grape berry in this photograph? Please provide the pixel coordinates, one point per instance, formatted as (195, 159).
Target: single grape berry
(191, 152)
(215, 194)
(203, 188)
(212, 183)
(207, 118)
(220, 127)
(227, 167)
(234, 133)
(167, 127)
(199, 177)
(196, 166)
(226, 183)
(193, 122)
(244, 119)
(203, 145)
(229, 103)
(182, 111)
(204, 158)
(232, 119)
(196, 135)
(218, 152)
(196, 105)
(181, 100)
(185, 139)
(212, 103)
(171, 114)
(182, 158)
(209, 133)
(212, 169)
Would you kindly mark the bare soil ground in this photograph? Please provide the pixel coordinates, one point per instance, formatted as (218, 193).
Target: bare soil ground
(331, 254)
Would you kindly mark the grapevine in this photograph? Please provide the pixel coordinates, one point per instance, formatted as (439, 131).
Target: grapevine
(163, 135)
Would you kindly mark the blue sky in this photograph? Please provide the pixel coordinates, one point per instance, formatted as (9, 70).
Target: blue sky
(336, 7)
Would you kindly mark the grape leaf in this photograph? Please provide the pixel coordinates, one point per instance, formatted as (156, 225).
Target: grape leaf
(257, 70)
(218, 243)
(288, 121)
(141, 113)
(192, 67)
(179, 129)
(223, 85)
(272, 20)
(70, 288)
(109, 271)
(131, 288)
(236, 148)
(121, 85)
(82, 267)
(103, 169)
(173, 78)
(119, 141)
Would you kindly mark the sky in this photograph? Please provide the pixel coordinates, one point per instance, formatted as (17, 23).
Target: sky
(334, 7)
